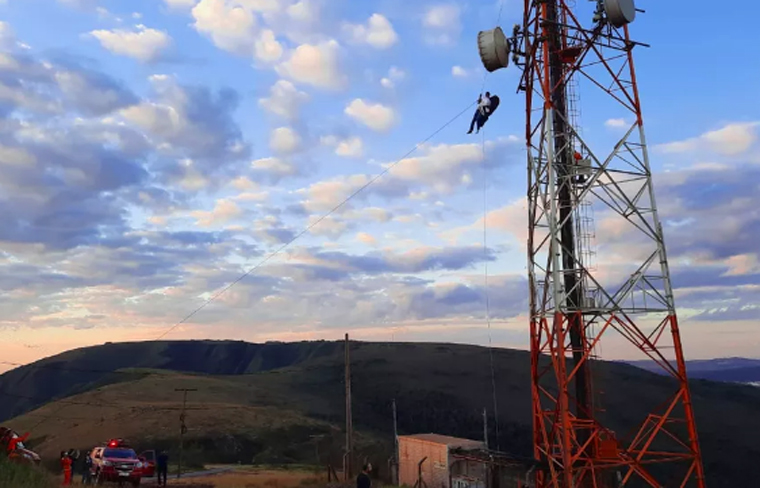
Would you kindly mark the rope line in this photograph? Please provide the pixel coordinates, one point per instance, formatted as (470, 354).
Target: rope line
(314, 224)
(485, 260)
(485, 288)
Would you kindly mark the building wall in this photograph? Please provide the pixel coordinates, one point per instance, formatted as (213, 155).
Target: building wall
(468, 474)
(435, 471)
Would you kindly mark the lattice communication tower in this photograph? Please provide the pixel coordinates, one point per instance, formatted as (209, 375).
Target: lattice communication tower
(624, 298)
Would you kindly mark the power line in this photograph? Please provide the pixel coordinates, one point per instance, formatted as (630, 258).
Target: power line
(314, 224)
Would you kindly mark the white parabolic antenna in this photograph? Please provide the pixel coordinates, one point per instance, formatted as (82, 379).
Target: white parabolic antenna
(494, 49)
(620, 12)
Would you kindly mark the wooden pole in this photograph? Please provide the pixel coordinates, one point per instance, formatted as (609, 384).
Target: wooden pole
(485, 427)
(182, 427)
(347, 465)
(395, 442)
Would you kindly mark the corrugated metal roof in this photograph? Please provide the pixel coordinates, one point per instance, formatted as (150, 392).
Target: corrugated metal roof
(445, 440)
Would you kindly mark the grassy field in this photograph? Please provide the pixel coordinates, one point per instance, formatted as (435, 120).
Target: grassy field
(17, 476)
(256, 478)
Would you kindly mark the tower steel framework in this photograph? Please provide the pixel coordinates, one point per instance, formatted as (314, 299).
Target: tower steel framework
(575, 306)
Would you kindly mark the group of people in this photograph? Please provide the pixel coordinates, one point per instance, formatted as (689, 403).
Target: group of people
(71, 461)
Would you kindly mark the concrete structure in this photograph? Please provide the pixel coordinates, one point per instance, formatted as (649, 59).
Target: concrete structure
(438, 467)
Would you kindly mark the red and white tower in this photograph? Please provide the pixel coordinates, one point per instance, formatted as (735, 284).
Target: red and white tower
(578, 303)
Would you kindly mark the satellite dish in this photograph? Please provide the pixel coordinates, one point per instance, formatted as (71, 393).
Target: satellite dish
(494, 49)
(620, 12)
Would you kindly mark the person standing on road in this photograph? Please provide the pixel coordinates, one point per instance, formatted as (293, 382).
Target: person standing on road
(86, 464)
(363, 480)
(66, 464)
(162, 466)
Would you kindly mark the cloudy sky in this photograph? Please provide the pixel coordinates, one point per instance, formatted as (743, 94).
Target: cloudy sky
(154, 150)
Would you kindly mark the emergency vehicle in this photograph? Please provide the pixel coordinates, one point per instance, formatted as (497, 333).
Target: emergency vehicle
(116, 462)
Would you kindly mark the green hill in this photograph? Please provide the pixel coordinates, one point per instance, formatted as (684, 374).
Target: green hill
(266, 402)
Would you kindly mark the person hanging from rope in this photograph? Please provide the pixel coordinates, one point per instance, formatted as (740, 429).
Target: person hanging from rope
(486, 106)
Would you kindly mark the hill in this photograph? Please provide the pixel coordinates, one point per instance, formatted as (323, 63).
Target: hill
(733, 370)
(82, 369)
(269, 410)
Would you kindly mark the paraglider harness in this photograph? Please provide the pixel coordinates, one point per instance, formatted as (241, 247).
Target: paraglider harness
(489, 109)
(483, 113)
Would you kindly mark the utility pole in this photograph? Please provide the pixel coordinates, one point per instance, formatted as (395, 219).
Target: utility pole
(485, 427)
(349, 421)
(395, 443)
(182, 427)
(395, 426)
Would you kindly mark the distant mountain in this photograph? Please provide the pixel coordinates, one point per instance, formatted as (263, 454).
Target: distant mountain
(274, 402)
(732, 370)
(82, 369)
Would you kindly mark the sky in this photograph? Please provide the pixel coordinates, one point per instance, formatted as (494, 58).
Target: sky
(153, 151)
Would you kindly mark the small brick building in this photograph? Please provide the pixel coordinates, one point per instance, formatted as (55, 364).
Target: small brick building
(439, 468)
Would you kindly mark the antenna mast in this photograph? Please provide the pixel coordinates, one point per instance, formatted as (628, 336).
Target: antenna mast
(625, 298)
(348, 456)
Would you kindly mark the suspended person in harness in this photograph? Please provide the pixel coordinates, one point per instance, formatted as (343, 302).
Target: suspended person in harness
(486, 106)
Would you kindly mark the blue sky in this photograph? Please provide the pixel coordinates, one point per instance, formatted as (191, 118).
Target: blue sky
(155, 149)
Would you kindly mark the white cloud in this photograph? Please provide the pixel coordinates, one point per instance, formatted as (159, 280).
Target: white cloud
(378, 32)
(315, 65)
(243, 183)
(730, 140)
(325, 195)
(230, 27)
(444, 167)
(304, 11)
(16, 156)
(7, 37)
(394, 75)
(274, 167)
(616, 123)
(224, 211)
(329, 227)
(181, 4)
(267, 48)
(350, 148)
(442, 24)
(376, 116)
(103, 13)
(284, 140)
(143, 44)
(459, 72)
(284, 100)
(365, 238)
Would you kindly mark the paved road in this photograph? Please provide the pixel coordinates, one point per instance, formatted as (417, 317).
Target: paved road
(194, 474)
